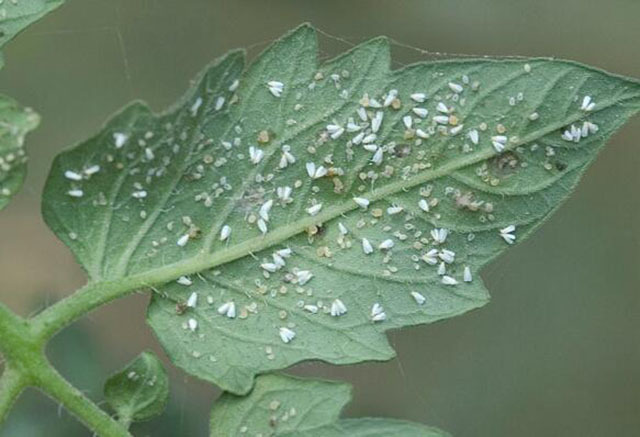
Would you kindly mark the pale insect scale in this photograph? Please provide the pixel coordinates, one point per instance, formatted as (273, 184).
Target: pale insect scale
(270, 267)
(386, 244)
(456, 130)
(278, 260)
(467, 274)
(225, 232)
(431, 257)
(255, 154)
(193, 324)
(447, 255)
(183, 240)
(377, 121)
(285, 253)
(72, 175)
(338, 308)
(284, 193)
(366, 246)
(315, 173)
(395, 209)
(358, 138)
(313, 309)
(275, 87)
(287, 158)
(343, 229)
(441, 107)
(311, 169)
(361, 202)
(262, 225)
(498, 146)
(331, 128)
(75, 193)
(352, 126)
(193, 300)
(315, 209)
(408, 121)
(455, 87)
(420, 112)
(228, 309)
(120, 139)
(418, 97)
(419, 298)
(441, 119)
(303, 276)
(184, 280)
(474, 136)
(362, 113)
(508, 235)
(196, 106)
(377, 313)
(89, 171)
(423, 205)
(286, 334)
(439, 235)
(378, 156)
(369, 138)
(422, 134)
(264, 209)
(587, 104)
(448, 280)
(391, 95)
(219, 103)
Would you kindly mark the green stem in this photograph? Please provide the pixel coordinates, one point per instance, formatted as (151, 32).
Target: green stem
(79, 304)
(58, 388)
(11, 385)
(26, 365)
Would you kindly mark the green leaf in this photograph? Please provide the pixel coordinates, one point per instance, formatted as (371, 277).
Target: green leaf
(170, 184)
(376, 427)
(15, 15)
(139, 391)
(282, 405)
(15, 122)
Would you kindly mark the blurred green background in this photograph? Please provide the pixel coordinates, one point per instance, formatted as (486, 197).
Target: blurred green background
(556, 353)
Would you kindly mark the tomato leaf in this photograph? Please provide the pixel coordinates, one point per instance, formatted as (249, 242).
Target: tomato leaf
(297, 210)
(139, 391)
(16, 121)
(282, 405)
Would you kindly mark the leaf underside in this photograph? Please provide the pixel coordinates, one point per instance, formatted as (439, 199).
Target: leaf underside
(139, 391)
(282, 405)
(177, 194)
(16, 121)
(17, 15)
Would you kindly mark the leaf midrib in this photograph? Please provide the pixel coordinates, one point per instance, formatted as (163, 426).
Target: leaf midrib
(211, 260)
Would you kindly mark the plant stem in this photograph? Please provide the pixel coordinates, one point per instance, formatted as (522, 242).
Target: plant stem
(58, 388)
(11, 385)
(26, 365)
(86, 299)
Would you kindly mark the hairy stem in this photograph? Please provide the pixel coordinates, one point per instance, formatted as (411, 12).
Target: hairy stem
(58, 388)
(26, 365)
(11, 385)
(86, 299)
